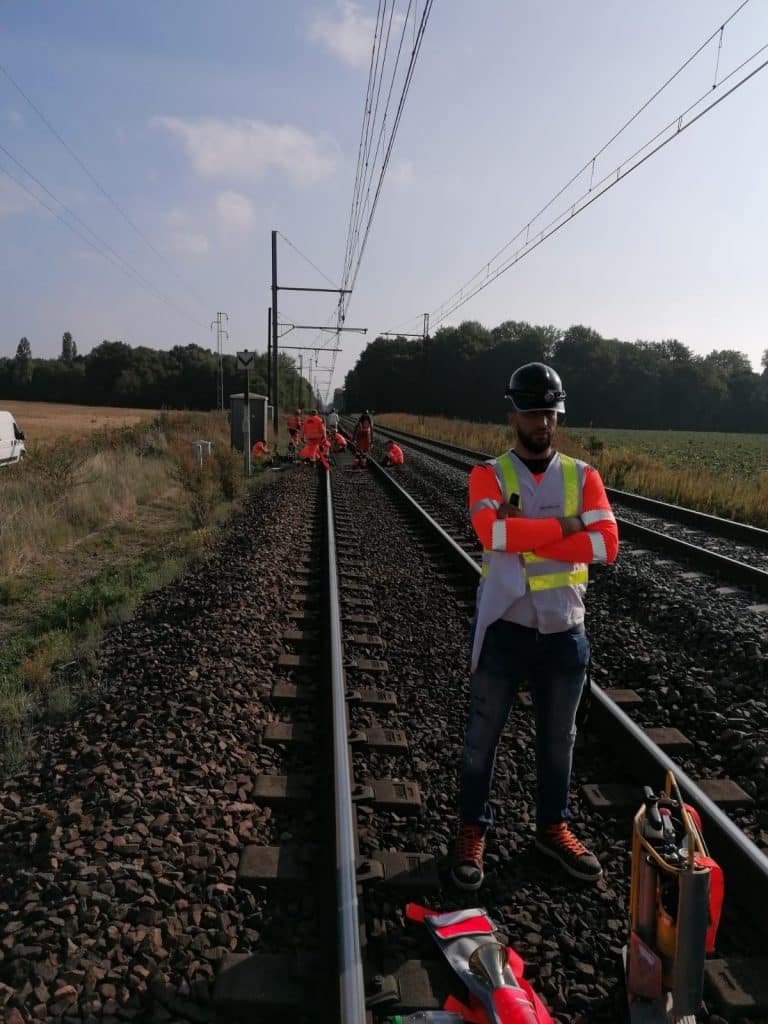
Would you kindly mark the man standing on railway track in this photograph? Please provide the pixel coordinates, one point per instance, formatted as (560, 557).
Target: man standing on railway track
(541, 517)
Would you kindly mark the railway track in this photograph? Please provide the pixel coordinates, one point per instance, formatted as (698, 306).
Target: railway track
(409, 842)
(179, 825)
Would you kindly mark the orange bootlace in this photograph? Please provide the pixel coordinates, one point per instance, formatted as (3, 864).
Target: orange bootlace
(563, 836)
(471, 844)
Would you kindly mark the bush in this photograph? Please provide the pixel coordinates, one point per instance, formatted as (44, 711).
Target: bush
(58, 469)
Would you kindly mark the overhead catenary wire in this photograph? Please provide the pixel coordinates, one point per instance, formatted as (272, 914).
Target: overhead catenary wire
(362, 205)
(107, 195)
(366, 202)
(371, 167)
(392, 136)
(373, 65)
(609, 181)
(307, 259)
(589, 165)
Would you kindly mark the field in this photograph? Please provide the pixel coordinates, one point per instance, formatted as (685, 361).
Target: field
(724, 474)
(43, 422)
(736, 456)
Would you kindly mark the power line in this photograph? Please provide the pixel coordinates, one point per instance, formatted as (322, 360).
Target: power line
(352, 275)
(306, 258)
(611, 180)
(372, 67)
(104, 249)
(362, 151)
(371, 126)
(363, 208)
(591, 163)
(96, 182)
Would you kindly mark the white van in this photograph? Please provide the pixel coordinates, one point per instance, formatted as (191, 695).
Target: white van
(12, 447)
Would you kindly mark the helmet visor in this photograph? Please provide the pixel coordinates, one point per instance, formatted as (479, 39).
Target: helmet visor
(536, 401)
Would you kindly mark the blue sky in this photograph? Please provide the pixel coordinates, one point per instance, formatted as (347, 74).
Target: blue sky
(211, 124)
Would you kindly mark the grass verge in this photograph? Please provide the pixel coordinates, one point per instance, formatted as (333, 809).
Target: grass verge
(110, 521)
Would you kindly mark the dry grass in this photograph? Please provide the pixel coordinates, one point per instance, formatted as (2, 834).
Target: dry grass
(46, 422)
(709, 490)
(68, 489)
(86, 528)
(38, 518)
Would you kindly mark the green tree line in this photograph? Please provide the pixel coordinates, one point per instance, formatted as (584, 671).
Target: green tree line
(462, 372)
(114, 373)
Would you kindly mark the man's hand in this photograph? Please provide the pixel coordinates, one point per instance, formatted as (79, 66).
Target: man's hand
(507, 511)
(571, 524)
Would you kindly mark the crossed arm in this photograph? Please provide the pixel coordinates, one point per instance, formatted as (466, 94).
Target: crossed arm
(592, 537)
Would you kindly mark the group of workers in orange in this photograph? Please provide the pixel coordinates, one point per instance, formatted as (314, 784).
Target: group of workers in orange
(319, 442)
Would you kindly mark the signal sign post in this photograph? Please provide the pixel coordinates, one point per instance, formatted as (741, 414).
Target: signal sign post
(245, 360)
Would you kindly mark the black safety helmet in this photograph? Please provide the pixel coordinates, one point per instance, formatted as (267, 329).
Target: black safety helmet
(536, 387)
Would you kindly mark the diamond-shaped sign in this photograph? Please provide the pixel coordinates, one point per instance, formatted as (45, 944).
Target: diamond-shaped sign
(245, 360)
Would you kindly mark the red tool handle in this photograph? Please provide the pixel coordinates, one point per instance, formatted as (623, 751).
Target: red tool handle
(512, 1006)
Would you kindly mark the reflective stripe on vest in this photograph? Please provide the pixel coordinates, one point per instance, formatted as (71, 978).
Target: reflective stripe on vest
(509, 484)
(484, 503)
(596, 515)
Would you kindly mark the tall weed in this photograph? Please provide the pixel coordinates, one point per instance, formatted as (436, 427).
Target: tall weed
(228, 466)
(199, 482)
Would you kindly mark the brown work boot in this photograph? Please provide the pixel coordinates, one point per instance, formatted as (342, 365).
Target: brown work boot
(467, 869)
(559, 843)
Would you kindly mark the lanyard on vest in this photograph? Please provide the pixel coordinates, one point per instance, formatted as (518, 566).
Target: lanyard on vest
(509, 483)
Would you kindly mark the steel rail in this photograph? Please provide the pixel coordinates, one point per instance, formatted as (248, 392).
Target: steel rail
(464, 561)
(745, 865)
(351, 979)
(692, 517)
(729, 569)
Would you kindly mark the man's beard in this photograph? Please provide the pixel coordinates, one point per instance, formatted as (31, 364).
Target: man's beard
(538, 445)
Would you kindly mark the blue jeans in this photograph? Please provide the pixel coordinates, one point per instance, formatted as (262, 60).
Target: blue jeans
(555, 664)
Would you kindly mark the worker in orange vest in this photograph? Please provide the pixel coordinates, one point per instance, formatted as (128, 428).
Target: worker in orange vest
(393, 456)
(542, 518)
(294, 427)
(313, 432)
(259, 453)
(362, 438)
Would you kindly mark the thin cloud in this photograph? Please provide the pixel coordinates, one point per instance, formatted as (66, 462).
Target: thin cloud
(348, 34)
(189, 243)
(401, 173)
(234, 210)
(14, 118)
(177, 218)
(244, 150)
(12, 199)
